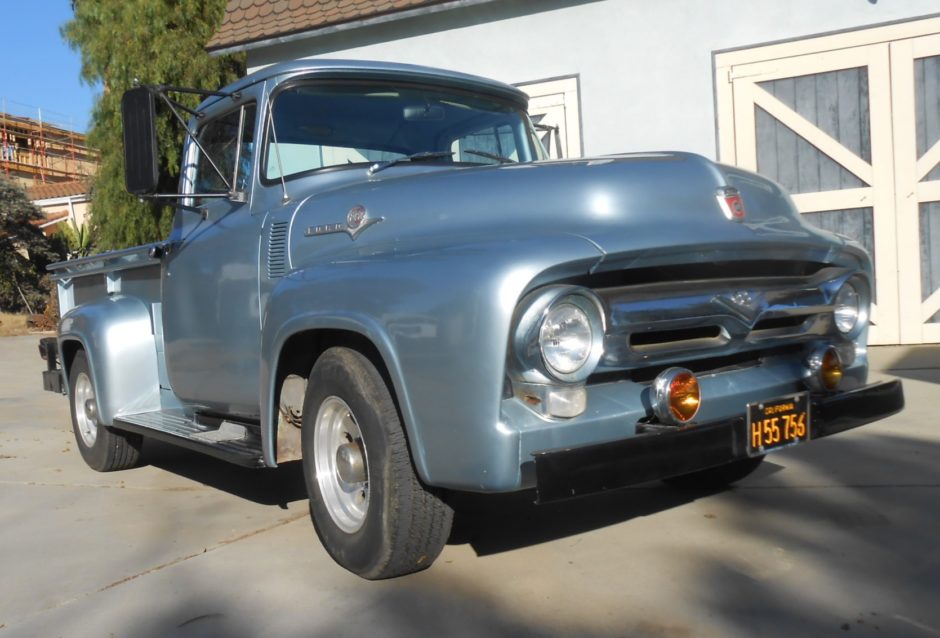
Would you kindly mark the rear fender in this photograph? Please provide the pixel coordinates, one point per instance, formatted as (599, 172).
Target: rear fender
(117, 335)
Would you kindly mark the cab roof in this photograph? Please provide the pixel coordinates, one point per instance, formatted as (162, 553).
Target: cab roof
(393, 71)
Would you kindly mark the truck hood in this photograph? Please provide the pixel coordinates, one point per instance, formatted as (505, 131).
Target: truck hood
(647, 208)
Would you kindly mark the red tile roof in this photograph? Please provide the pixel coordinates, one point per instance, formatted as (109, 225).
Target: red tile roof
(58, 189)
(251, 20)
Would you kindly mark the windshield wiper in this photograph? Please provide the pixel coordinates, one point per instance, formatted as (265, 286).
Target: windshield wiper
(414, 157)
(493, 156)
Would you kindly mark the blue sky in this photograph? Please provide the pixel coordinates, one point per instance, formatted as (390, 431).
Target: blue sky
(37, 67)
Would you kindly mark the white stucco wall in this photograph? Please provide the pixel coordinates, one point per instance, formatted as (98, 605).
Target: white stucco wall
(645, 66)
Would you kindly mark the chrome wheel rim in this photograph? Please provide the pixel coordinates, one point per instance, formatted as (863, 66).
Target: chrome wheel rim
(85, 392)
(337, 436)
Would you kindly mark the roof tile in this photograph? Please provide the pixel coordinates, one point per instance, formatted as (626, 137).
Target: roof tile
(57, 189)
(250, 20)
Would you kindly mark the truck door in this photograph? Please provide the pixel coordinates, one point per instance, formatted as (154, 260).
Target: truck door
(211, 321)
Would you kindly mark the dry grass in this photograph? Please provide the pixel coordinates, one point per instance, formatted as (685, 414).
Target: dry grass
(13, 325)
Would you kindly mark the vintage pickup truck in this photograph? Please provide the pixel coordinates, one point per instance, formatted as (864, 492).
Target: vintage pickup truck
(375, 269)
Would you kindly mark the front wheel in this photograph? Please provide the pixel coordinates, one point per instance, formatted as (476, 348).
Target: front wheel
(103, 449)
(371, 512)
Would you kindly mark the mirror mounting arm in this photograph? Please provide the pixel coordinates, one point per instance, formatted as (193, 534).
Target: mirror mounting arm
(194, 137)
(230, 195)
(161, 88)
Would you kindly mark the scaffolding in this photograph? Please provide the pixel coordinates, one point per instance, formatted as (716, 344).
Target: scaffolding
(36, 152)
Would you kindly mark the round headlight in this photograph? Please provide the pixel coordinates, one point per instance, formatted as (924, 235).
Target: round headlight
(558, 336)
(566, 338)
(846, 308)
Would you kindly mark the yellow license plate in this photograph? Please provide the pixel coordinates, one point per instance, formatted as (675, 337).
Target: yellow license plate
(777, 423)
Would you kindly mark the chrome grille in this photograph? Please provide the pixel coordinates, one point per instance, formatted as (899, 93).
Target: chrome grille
(678, 321)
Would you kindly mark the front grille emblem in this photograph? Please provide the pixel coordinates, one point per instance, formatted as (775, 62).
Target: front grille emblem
(747, 304)
(742, 298)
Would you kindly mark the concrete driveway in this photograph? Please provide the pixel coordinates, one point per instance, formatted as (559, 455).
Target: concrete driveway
(837, 538)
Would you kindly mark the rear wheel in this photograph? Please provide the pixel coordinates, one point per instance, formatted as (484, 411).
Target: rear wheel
(103, 449)
(371, 512)
(717, 477)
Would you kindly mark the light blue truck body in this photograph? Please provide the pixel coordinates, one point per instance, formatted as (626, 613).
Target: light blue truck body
(245, 293)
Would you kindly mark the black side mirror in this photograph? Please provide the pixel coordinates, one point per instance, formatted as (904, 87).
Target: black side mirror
(140, 141)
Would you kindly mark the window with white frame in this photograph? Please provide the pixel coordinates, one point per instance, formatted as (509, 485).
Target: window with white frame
(554, 107)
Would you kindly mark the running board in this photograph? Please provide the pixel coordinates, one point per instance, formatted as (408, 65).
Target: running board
(237, 443)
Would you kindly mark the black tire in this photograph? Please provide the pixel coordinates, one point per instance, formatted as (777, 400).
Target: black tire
(111, 449)
(404, 525)
(716, 477)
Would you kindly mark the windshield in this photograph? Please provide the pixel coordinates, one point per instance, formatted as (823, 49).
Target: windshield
(322, 125)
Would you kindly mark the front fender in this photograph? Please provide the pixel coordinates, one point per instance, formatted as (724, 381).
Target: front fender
(117, 335)
(440, 320)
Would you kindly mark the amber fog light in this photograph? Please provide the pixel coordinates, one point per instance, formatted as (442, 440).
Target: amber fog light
(824, 367)
(831, 371)
(676, 396)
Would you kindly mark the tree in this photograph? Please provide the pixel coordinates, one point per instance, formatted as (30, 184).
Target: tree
(155, 42)
(24, 252)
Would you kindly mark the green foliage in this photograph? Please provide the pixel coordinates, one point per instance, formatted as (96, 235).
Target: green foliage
(155, 42)
(24, 252)
(77, 240)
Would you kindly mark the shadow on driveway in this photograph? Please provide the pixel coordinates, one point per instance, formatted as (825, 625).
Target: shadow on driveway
(278, 486)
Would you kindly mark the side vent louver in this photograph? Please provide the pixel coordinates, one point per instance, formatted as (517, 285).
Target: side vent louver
(277, 250)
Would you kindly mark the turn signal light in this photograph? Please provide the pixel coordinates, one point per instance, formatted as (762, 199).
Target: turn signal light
(824, 369)
(676, 395)
(830, 372)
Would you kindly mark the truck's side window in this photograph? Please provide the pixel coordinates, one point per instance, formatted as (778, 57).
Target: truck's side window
(218, 138)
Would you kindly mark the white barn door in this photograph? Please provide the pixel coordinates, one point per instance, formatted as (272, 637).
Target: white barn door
(915, 77)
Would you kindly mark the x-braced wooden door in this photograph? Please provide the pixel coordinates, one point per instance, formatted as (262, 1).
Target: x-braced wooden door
(915, 78)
